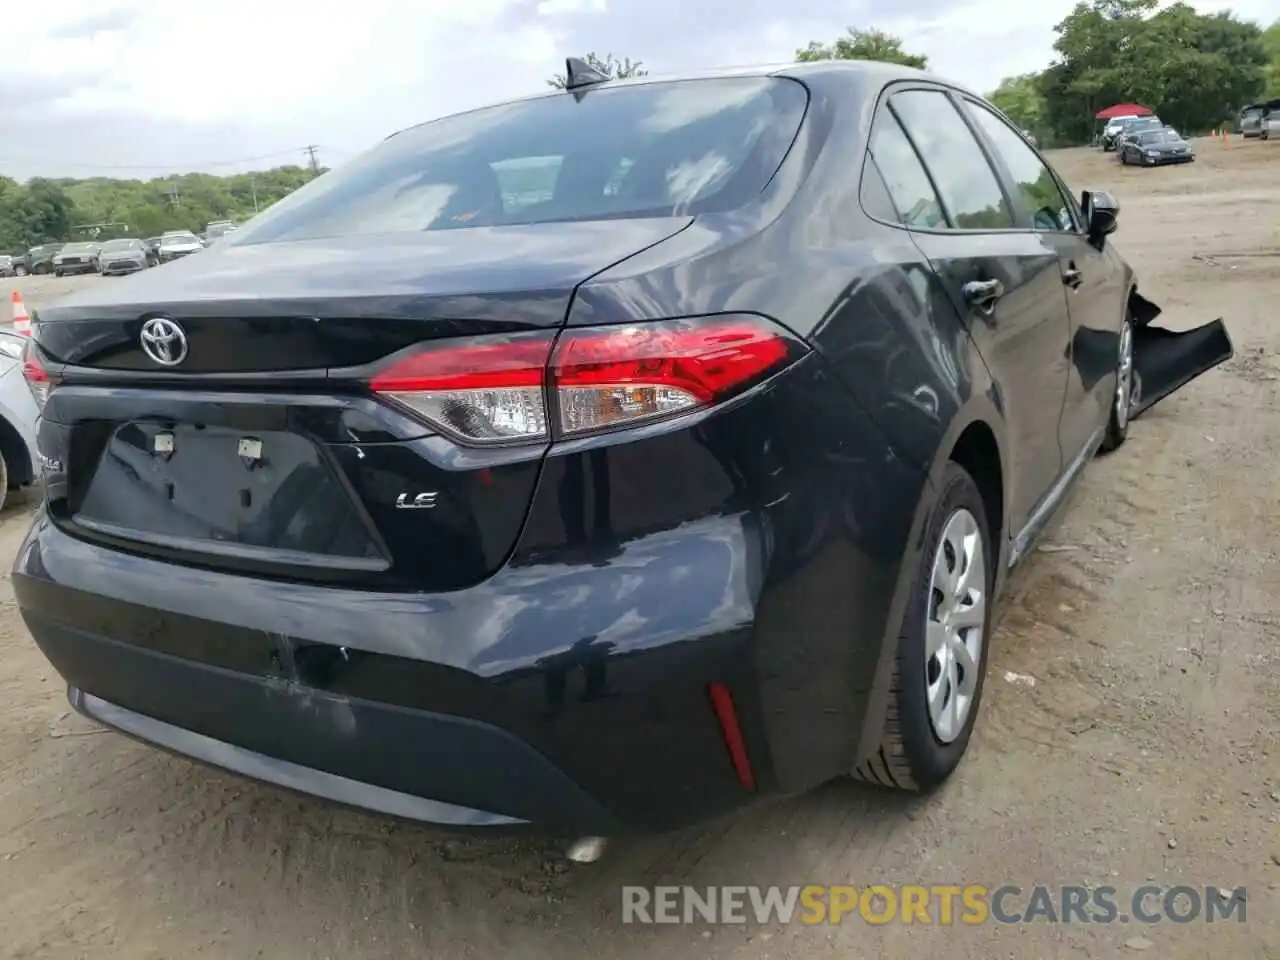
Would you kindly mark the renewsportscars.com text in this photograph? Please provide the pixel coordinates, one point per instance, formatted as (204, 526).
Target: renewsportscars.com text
(970, 904)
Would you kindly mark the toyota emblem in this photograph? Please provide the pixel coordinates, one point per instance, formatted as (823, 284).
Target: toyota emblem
(164, 341)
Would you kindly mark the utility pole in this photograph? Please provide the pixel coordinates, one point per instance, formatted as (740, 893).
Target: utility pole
(311, 153)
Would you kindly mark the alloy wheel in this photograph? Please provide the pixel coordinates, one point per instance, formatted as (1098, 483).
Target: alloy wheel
(1124, 376)
(955, 626)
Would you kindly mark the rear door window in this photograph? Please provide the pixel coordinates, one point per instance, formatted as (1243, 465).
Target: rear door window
(649, 150)
(970, 190)
(913, 195)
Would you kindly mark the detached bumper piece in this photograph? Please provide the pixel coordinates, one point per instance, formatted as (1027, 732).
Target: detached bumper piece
(1164, 361)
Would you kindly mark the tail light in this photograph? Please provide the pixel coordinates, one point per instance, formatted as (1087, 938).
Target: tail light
(505, 389)
(37, 376)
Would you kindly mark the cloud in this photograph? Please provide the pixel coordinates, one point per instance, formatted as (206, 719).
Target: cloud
(107, 21)
(140, 87)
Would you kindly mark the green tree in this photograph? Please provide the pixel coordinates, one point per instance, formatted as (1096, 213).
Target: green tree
(44, 210)
(1193, 69)
(1023, 101)
(610, 66)
(863, 45)
(1271, 44)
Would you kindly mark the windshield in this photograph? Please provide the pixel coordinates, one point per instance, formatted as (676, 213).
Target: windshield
(1251, 112)
(1159, 136)
(79, 248)
(651, 150)
(178, 238)
(117, 246)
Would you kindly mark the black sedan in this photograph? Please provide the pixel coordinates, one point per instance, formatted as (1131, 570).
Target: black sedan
(1152, 148)
(602, 495)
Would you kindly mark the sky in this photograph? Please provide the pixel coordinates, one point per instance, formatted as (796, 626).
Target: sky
(144, 88)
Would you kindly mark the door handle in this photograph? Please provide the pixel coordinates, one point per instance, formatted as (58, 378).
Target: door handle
(983, 293)
(1072, 277)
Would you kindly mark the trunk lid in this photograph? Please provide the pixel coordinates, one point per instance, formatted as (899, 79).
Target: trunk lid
(263, 451)
(309, 305)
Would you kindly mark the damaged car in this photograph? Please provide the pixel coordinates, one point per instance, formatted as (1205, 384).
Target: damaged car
(693, 480)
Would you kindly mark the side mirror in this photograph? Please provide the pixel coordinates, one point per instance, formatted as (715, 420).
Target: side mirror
(1101, 215)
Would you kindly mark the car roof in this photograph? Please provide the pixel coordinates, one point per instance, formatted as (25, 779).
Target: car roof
(868, 75)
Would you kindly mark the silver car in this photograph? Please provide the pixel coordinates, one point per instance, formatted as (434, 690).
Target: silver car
(19, 461)
(175, 244)
(1251, 121)
(122, 256)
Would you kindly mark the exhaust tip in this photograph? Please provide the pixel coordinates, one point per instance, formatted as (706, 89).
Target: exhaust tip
(587, 849)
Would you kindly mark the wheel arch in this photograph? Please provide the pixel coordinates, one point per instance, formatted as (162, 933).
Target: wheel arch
(16, 456)
(975, 439)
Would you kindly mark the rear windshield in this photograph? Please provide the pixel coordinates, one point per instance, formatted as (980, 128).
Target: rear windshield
(652, 150)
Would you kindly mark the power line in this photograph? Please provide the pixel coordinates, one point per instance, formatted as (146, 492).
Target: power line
(37, 162)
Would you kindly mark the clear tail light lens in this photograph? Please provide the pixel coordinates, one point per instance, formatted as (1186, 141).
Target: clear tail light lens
(597, 378)
(487, 391)
(37, 377)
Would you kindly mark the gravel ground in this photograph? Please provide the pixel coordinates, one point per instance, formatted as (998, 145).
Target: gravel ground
(1146, 751)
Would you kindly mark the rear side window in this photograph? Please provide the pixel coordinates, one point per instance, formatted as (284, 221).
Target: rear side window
(652, 150)
(1035, 183)
(969, 187)
(913, 195)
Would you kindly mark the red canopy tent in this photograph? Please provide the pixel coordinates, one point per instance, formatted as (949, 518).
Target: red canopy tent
(1123, 110)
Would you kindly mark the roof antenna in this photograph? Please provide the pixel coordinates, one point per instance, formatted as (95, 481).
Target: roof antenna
(578, 74)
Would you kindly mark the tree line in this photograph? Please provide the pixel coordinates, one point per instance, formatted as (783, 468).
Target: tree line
(100, 208)
(1195, 70)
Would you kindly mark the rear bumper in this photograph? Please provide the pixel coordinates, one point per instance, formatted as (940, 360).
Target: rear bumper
(570, 689)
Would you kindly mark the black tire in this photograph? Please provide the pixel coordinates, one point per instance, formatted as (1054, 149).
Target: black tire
(57, 273)
(1118, 424)
(20, 272)
(911, 756)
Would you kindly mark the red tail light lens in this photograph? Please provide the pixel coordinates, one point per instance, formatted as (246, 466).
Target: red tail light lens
(620, 375)
(497, 389)
(37, 377)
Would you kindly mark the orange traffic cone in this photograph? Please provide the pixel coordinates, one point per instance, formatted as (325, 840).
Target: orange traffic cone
(21, 319)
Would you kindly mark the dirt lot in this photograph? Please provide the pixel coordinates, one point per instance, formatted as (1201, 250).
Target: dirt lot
(1148, 749)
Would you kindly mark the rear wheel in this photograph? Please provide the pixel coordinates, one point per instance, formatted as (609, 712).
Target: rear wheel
(941, 659)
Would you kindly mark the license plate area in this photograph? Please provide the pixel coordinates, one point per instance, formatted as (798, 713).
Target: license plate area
(217, 490)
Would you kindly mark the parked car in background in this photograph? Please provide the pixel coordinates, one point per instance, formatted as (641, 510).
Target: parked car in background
(21, 264)
(19, 459)
(1133, 126)
(1250, 123)
(178, 243)
(1151, 148)
(76, 258)
(218, 229)
(40, 258)
(1269, 126)
(493, 516)
(1112, 130)
(123, 256)
(153, 246)
(7, 266)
